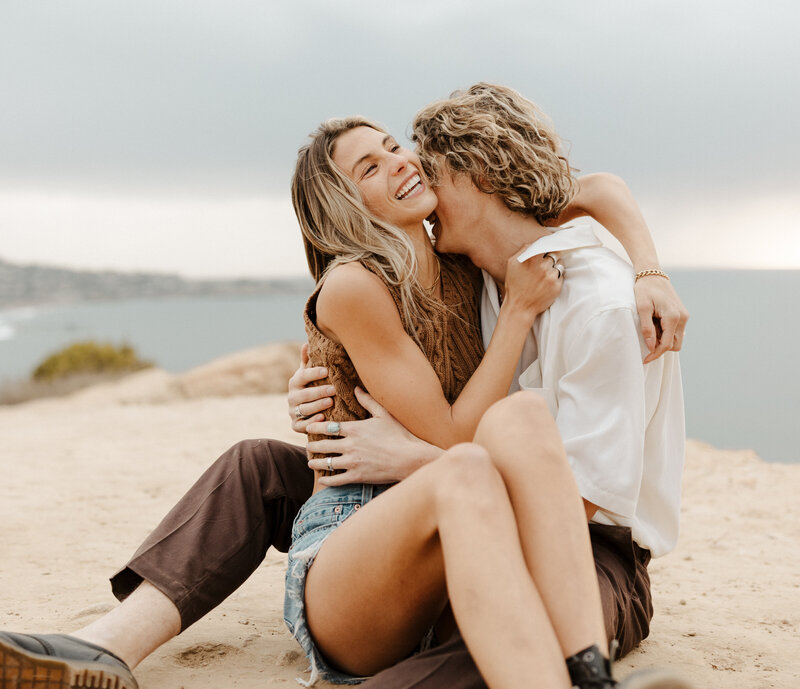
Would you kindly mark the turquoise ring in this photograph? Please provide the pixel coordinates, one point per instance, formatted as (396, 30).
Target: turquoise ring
(334, 428)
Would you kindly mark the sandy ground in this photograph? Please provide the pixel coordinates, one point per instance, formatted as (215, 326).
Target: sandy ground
(85, 478)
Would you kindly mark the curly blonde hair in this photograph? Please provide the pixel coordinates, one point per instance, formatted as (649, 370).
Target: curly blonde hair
(337, 226)
(503, 141)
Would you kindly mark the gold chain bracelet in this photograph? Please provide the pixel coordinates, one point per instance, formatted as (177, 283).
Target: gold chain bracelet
(645, 273)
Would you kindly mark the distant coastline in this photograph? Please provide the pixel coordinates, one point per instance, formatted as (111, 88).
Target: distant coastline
(24, 285)
(738, 361)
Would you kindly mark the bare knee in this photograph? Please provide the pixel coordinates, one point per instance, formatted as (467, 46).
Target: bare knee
(470, 480)
(523, 408)
(520, 430)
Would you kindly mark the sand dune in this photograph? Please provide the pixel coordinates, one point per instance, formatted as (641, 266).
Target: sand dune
(86, 477)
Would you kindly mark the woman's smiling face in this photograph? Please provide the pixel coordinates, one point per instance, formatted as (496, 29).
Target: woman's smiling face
(389, 177)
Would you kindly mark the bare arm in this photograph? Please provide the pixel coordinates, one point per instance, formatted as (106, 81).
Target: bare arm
(355, 308)
(607, 199)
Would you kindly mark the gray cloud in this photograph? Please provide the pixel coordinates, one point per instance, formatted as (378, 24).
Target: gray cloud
(216, 97)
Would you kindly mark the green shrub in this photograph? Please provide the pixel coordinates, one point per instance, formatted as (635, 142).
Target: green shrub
(89, 357)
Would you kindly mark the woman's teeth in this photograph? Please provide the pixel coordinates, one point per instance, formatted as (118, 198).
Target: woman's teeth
(408, 187)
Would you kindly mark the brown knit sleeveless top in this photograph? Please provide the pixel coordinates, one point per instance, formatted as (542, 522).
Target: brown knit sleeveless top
(450, 338)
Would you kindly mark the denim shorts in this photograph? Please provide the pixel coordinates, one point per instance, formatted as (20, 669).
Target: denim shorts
(322, 513)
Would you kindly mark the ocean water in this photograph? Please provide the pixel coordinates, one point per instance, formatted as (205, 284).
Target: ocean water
(741, 373)
(175, 333)
(740, 370)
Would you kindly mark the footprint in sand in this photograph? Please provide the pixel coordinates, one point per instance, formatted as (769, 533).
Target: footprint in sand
(200, 655)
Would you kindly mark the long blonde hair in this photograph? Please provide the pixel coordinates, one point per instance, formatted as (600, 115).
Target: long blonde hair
(338, 228)
(503, 142)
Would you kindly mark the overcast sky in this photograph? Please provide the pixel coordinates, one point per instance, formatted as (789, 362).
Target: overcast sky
(162, 135)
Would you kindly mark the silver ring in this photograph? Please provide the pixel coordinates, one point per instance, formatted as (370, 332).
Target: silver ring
(298, 414)
(334, 427)
(560, 268)
(551, 257)
(330, 466)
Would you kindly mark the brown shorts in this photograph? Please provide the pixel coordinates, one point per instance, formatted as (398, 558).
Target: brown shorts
(624, 585)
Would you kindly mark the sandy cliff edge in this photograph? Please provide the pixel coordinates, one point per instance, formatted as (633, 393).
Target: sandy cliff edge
(88, 476)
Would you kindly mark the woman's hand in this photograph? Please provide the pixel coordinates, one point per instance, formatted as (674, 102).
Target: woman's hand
(375, 450)
(662, 315)
(306, 403)
(532, 285)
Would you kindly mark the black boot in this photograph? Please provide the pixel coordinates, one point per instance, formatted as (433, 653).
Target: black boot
(590, 669)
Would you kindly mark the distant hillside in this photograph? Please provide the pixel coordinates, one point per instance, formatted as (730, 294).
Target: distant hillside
(22, 285)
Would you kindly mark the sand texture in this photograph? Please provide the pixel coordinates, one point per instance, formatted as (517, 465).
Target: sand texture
(86, 477)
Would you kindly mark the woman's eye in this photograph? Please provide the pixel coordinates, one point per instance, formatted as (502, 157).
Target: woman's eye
(369, 169)
(394, 148)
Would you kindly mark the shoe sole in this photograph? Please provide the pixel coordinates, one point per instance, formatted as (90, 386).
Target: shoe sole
(656, 679)
(22, 669)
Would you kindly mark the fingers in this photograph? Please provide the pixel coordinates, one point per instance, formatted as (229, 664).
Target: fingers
(326, 446)
(304, 355)
(314, 407)
(301, 425)
(321, 428)
(303, 376)
(304, 396)
(342, 479)
(533, 284)
(337, 464)
(306, 402)
(345, 467)
(661, 312)
(550, 262)
(669, 324)
(650, 323)
(672, 327)
(664, 345)
(368, 402)
(648, 327)
(677, 341)
(680, 330)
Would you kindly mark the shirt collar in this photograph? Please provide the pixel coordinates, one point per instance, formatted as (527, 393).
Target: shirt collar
(565, 238)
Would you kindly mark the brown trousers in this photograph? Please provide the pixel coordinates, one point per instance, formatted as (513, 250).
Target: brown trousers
(219, 532)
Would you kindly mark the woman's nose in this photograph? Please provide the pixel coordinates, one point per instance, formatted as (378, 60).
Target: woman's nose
(398, 163)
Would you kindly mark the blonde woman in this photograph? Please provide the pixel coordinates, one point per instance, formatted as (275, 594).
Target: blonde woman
(495, 527)
(391, 316)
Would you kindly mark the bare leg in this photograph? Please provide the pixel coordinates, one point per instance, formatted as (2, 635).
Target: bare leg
(525, 446)
(398, 547)
(498, 609)
(137, 627)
